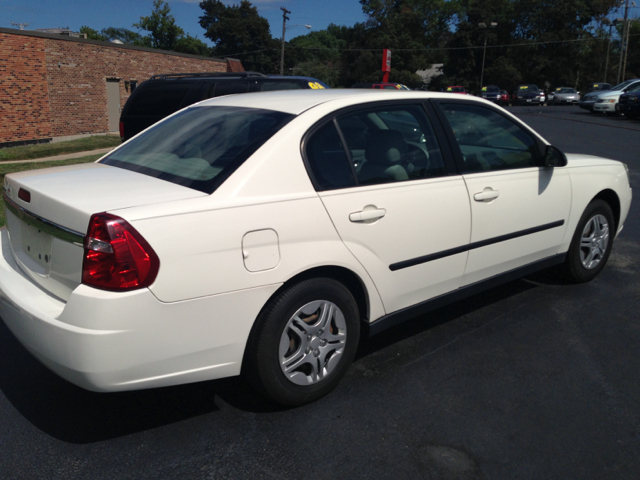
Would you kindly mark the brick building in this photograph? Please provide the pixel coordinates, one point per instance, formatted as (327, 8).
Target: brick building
(53, 86)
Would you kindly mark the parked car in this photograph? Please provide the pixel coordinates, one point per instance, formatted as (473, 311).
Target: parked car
(528, 95)
(598, 87)
(164, 94)
(565, 95)
(606, 100)
(257, 234)
(504, 98)
(491, 93)
(629, 104)
(381, 86)
(457, 89)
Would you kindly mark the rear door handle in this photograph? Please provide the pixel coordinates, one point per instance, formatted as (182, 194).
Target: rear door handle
(486, 195)
(365, 215)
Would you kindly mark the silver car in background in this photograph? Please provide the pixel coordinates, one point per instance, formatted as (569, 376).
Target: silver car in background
(565, 95)
(605, 100)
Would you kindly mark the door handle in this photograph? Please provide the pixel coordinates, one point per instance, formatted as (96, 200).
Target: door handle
(365, 215)
(486, 195)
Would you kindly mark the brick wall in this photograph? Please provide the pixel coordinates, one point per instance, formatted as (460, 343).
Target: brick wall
(24, 102)
(52, 87)
(77, 75)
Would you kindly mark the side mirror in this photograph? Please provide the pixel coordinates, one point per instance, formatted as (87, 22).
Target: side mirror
(554, 157)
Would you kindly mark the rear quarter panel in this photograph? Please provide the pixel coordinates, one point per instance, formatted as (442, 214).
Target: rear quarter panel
(199, 241)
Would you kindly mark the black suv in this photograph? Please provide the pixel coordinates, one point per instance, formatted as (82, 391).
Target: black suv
(162, 95)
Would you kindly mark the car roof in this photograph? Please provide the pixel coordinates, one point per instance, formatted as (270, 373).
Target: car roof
(297, 101)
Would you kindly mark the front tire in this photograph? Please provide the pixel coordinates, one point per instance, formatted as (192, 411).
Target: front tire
(591, 244)
(303, 342)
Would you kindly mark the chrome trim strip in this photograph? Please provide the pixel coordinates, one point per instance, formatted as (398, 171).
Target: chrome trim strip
(53, 229)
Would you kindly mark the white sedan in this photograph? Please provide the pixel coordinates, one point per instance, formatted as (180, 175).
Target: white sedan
(258, 233)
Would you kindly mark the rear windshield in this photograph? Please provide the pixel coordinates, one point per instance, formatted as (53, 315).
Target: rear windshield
(200, 146)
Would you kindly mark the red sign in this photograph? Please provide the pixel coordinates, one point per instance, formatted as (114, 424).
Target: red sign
(386, 60)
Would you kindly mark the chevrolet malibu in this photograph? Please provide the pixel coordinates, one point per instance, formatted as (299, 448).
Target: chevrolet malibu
(258, 234)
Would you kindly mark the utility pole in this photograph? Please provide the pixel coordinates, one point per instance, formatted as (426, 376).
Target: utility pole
(610, 24)
(284, 28)
(483, 25)
(625, 33)
(20, 25)
(626, 45)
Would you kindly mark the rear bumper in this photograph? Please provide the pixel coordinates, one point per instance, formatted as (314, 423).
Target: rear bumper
(528, 101)
(107, 341)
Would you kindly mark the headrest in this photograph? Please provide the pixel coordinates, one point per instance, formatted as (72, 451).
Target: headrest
(385, 147)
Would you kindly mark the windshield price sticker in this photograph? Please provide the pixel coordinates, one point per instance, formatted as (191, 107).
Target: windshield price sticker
(316, 86)
(484, 89)
(449, 89)
(523, 87)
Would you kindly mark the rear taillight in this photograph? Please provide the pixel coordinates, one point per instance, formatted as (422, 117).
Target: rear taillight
(116, 257)
(122, 131)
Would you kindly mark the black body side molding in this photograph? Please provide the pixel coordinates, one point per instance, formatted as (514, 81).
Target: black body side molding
(465, 248)
(427, 306)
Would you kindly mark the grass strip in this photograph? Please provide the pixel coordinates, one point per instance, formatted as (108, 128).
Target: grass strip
(28, 152)
(20, 167)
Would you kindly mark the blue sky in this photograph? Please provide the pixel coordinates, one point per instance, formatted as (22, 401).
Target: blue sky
(124, 13)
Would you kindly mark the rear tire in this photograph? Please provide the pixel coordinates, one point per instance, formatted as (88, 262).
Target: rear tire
(591, 244)
(303, 342)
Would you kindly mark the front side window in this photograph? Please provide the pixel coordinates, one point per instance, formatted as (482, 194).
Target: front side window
(199, 147)
(391, 144)
(489, 141)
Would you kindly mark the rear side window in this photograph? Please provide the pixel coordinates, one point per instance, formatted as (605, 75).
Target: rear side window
(328, 160)
(159, 99)
(228, 87)
(270, 86)
(199, 147)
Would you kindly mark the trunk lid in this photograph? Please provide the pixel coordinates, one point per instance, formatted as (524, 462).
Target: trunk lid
(47, 231)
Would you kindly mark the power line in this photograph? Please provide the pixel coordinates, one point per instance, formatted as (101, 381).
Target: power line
(473, 47)
(526, 44)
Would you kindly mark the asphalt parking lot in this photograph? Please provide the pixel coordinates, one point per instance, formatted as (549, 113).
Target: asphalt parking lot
(532, 380)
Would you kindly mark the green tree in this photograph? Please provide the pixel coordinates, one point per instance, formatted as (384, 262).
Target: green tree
(238, 31)
(192, 45)
(92, 34)
(161, 25)
(125, 36)
(317, 54)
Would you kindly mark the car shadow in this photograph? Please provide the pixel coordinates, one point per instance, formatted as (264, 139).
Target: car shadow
(72, 414)
(449, 313)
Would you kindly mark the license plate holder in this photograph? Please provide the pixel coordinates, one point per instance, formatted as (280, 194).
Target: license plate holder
(36, 247)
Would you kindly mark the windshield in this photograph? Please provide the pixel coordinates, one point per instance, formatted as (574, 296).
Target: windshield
(490, 90)
(456, 89)
(527, 88)
(565, 90)
(620, 86)
(199, 147)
